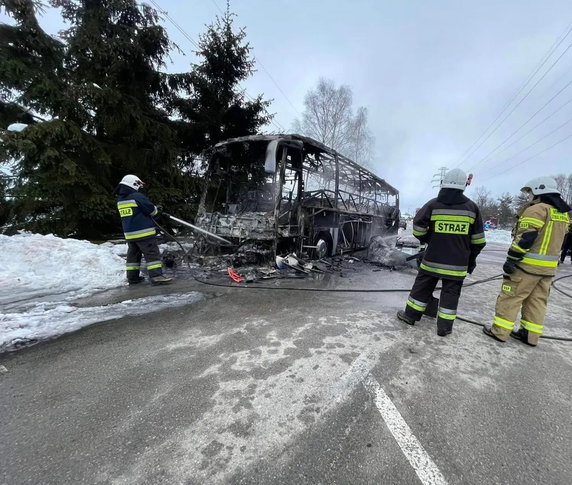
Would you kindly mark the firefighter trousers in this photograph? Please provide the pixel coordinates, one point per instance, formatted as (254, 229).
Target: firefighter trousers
(421, 296)
(566, 247)
(528, 294)
(149, 249)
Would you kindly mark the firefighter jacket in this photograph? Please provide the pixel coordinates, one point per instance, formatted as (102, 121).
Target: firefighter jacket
(136, 213)
(538, 236)
(452, 227)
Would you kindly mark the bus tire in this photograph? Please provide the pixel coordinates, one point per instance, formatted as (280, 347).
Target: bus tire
(324, 244)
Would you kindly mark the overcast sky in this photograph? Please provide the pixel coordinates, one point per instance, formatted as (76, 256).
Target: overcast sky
(432, 74)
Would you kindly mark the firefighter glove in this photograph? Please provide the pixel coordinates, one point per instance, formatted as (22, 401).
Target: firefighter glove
(509, 266)
(159, 209)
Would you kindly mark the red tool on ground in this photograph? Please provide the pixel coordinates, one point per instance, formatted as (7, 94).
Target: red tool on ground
(234, 275)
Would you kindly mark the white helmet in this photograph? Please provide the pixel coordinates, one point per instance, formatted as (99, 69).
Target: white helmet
(454, 179)
(132, 181)
(541, 185)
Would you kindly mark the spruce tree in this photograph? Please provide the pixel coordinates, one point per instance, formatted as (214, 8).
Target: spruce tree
(217, 107)
(5, 201)
(505, 211)
(34, 86)
(101, 96)
(98, 107)
(116, 48)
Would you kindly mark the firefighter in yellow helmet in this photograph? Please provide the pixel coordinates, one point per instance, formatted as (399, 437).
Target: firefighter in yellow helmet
(531, 263)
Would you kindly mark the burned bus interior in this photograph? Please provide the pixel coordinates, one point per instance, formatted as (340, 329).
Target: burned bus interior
(293, 193)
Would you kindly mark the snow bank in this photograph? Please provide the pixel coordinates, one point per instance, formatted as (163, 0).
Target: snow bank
(33, 264)
(498, 236)
(40, 276)
(49, 320)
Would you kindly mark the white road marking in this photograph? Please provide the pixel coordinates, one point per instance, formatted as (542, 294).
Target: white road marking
(419, 459)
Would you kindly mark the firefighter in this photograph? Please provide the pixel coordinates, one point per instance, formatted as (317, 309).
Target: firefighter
(452, 227)
(567, 245)
(531, 263)
(137, 213)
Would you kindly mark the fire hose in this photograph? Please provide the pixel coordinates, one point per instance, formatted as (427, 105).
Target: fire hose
(194, 228)
(341, 290)
(381, 290)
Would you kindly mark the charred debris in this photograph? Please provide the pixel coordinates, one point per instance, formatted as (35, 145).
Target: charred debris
(251, 262)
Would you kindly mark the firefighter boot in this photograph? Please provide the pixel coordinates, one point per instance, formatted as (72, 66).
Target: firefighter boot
(432, 306)
(529, 338)
(134, 280)
(444, 327)
(405, 318)
(487, 330)
(161, 280)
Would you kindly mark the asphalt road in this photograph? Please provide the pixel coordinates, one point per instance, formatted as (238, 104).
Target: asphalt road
(259, 386)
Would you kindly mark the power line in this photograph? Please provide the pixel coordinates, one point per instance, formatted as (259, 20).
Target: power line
(530, 77)
(537, 125)
(217, 6)
(277, 85)
(191, 40)
(259, 62)
(524, 124)
(536, 142)
(275, 123)
(466, 153)
(522, 99)
(533, 156)
(177, 26)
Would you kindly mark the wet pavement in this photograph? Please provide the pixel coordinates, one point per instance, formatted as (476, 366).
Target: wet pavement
(287, 386)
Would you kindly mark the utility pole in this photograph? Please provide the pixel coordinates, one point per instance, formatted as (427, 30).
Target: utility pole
(436, 181)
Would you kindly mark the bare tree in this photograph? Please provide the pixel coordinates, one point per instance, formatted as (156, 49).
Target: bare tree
(361, 139)
(520, 200)
(328, 117)
(564, 185)
(483, 198)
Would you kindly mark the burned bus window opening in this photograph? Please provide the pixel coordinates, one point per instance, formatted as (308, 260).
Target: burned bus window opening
(294, 193)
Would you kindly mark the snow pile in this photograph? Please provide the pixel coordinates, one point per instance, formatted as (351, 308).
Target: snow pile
(119, 249)
(49, 320)
(34, 264)
(40, 276)
(501, 236)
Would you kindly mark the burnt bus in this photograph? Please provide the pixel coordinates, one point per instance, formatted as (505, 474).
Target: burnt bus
(292, 193)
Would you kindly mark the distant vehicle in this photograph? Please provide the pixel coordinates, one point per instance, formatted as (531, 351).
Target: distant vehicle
(403, 223)
(490, 224)
(292, 193)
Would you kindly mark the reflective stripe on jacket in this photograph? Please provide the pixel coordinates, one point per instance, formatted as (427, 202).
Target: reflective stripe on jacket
(545, 228)
(136, 213)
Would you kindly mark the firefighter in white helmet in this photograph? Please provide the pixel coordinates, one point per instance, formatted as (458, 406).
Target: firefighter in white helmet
(531, 263)
(137, 213)
(452, 227)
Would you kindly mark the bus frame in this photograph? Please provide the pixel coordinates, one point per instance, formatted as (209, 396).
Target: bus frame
(295, 194)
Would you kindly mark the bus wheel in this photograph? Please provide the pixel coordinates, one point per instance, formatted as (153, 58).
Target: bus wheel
(324, 244)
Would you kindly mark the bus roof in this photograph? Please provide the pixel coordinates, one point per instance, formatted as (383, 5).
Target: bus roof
(318, 147)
